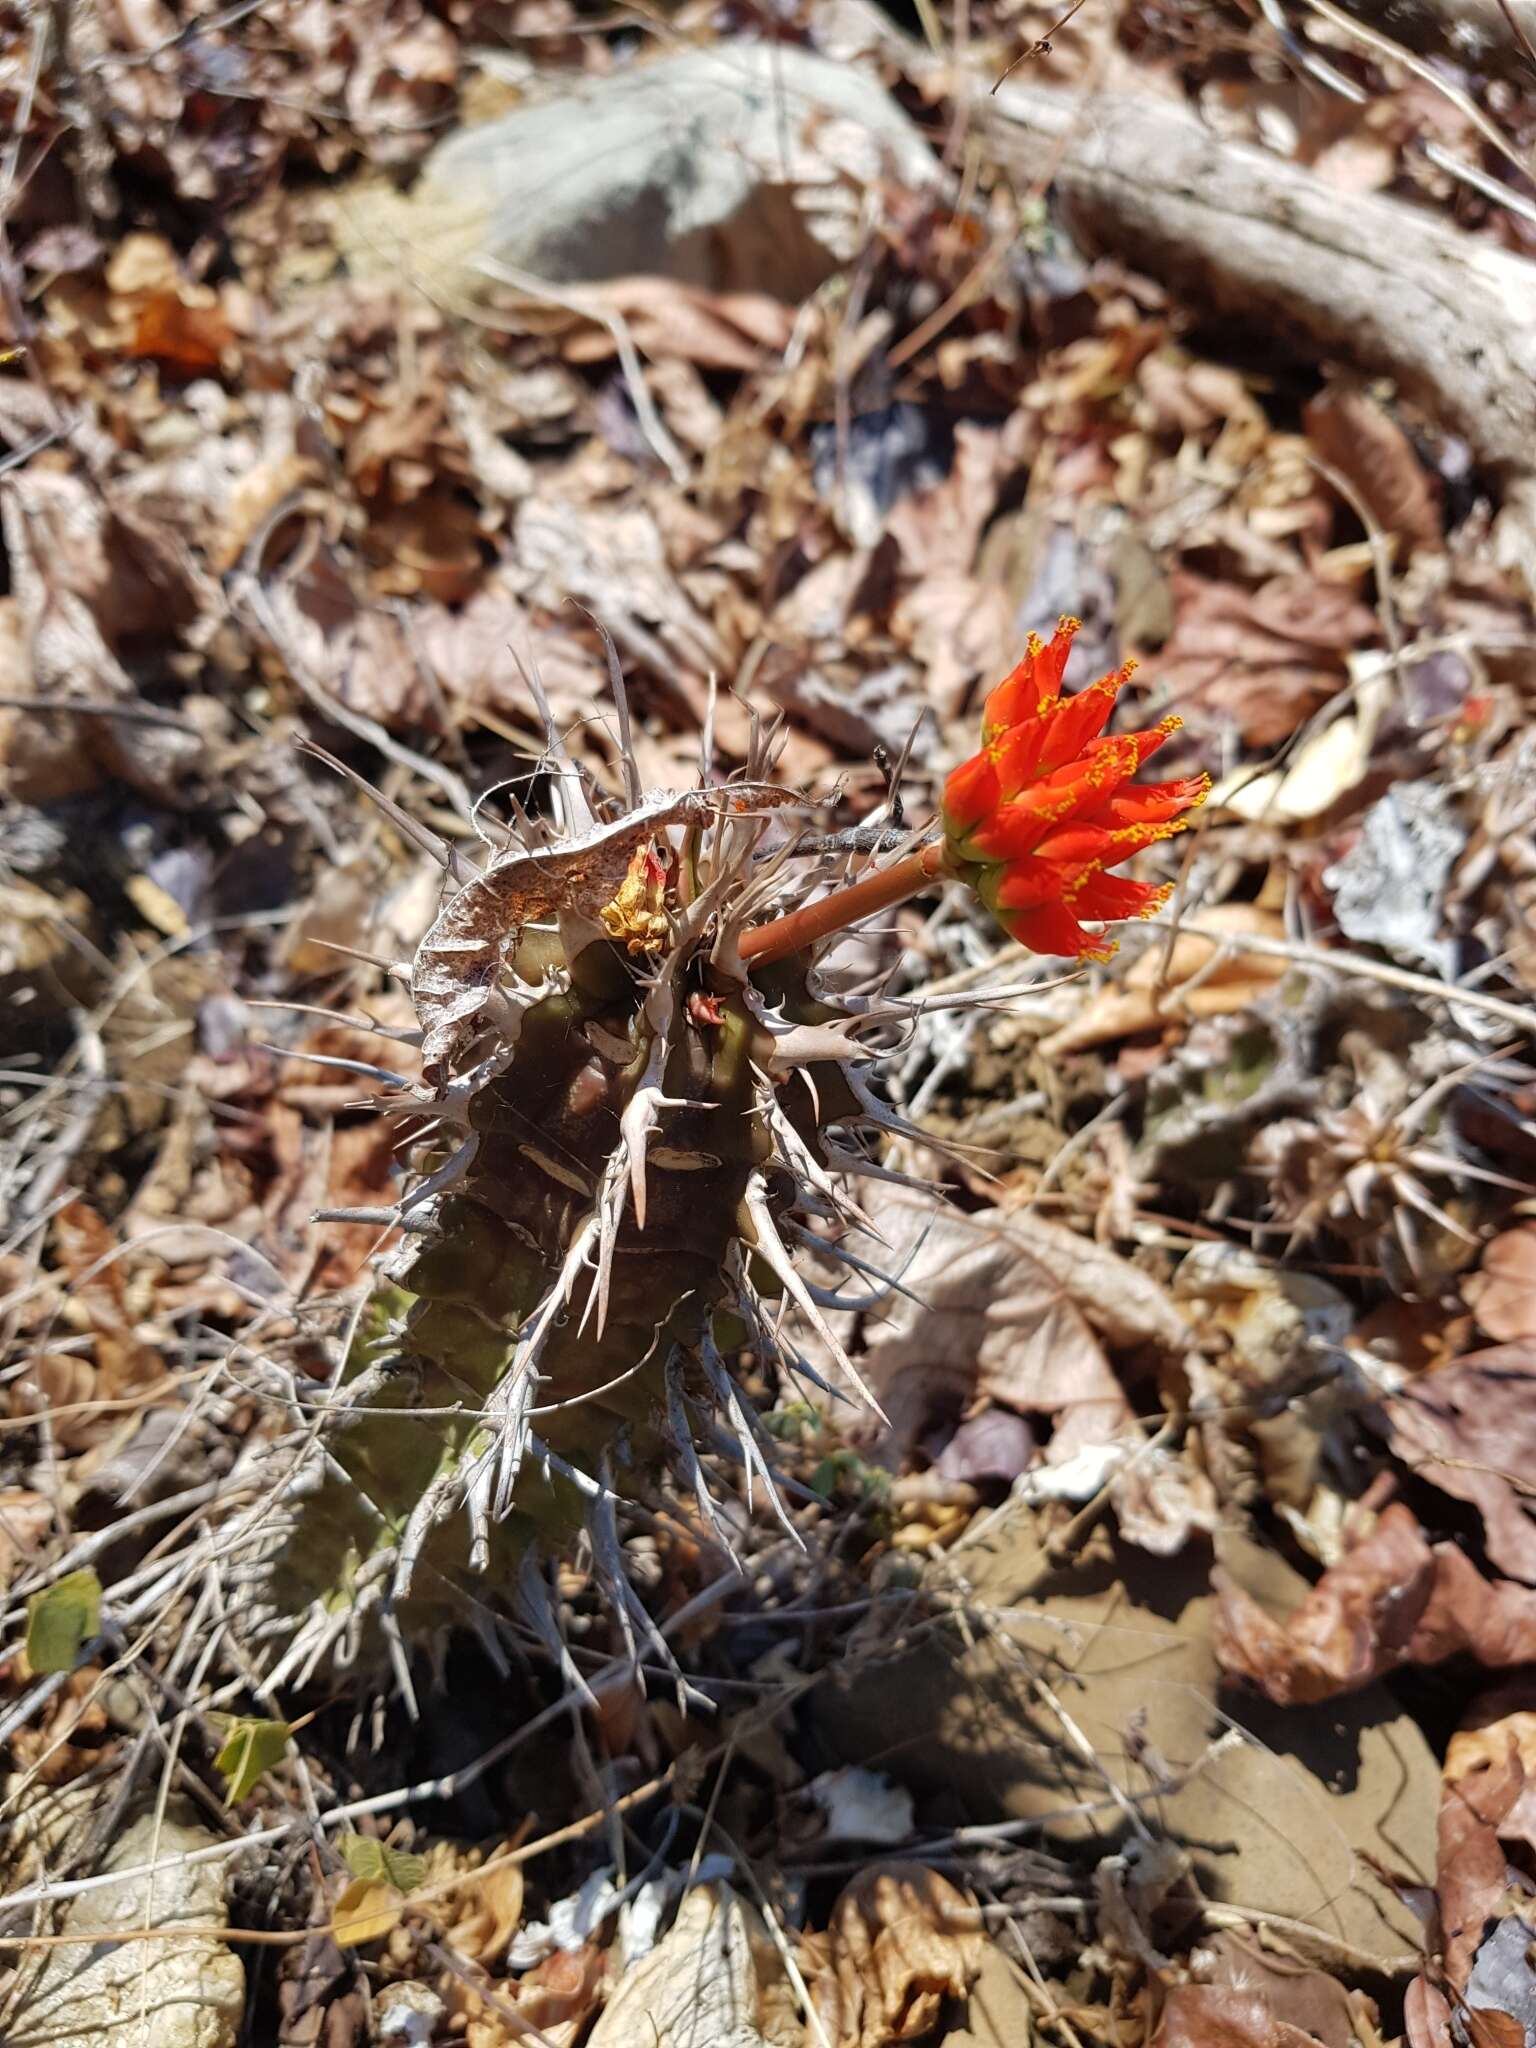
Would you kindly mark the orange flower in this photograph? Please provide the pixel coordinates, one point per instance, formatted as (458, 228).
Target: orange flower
(1034, 821)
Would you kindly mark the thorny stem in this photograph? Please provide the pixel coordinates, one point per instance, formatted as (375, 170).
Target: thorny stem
(828, 914)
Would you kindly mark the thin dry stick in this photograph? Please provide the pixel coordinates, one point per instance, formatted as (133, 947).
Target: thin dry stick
(1469, 174)
(98, 707)
(1521, 33)
(1325, 962)
(1041, 47)
(1394, 53)
(255, 1937)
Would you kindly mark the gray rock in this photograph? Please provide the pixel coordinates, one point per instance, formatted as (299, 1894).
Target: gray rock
(187, 1993)
(741, 167)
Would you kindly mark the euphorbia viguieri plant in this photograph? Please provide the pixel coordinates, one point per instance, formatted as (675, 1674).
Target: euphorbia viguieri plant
(637, 1102)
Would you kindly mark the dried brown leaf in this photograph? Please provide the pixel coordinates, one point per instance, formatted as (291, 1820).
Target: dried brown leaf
(1503, 1290)
(1219, 2016)
(1305, 1998)
(669, 319)
(1470, 1429)
(1395, 1599)
(1002, 1312)
(714, 1976)
(25, 1518)
(1489, 2029)
(1471, 1874)
(1152, 992)
(902, 1940)
(189, 336)
(1360, 439)
(84, 579)
(1267, 657)
(488, 1910)
(1426, 2015)
(1160, 1500)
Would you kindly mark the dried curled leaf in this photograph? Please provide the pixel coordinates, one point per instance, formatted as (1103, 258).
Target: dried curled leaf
(1487, 1819)
(1204, 974)
(1357, 437)
(1503, 1293)
(1222, 2016)
(1470, 1429)
(1395, 1599)
(902, 1940)
(365, 1912)
(488, 1911)
(715, 1977)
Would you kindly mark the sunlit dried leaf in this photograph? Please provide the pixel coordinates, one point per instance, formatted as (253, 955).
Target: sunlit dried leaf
(25, 1518)
(1220, 2016)
(902, 1939)
(667, 318)
(366, 1911)
(188, 337)
(1395, 1599)
(997, 1312)
(1503, 1290)
(488, 1910)
(715, 1976)
(1151, 992)
(1267, 657)
(1489, 2029)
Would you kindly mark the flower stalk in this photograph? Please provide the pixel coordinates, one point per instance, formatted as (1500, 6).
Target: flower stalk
(813, 922)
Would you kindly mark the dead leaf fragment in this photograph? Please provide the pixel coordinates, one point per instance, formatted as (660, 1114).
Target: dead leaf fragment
(1470, 1429)
(25, 1519)
(1502, 1293)
(1359, 438)
(366, 1911)
(715, 1976)
(1395, 1599)
(1218, 2016)
(1221, 978)
(489, 1911)
(994, 1316)
(1267, 658)
(902, 1940)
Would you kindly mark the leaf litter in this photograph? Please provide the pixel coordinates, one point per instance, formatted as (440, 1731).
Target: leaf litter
(1160, 1671)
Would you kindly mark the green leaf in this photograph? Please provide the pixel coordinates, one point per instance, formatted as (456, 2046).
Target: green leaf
(372, 1863)
(404, 1871)
(250, 1748)
(61, 1620)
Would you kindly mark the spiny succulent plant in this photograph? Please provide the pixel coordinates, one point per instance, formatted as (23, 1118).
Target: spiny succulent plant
(638, 1097)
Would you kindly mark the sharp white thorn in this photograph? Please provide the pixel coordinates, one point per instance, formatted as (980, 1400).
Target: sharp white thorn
(771, 1248)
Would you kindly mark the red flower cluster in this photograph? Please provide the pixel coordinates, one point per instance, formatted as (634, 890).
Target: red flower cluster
(1034, 821)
